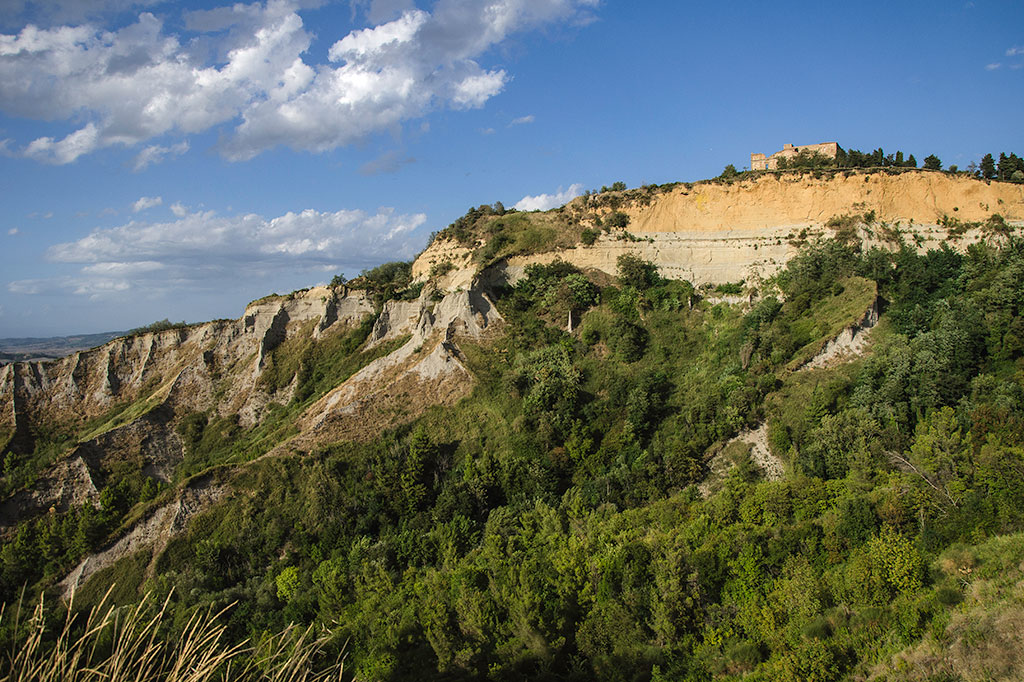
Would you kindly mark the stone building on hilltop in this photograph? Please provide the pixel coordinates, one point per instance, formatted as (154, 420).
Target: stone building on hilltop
(762, 162)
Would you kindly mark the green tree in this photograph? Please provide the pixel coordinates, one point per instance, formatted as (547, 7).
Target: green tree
(634, 271)
(988, 167)
(932, 162)
(617, 219)
(412, 478)
(940, 457)
(627, 340)
(287, 583)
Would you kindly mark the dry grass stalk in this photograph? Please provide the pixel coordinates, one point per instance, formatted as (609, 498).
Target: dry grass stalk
(125, 645)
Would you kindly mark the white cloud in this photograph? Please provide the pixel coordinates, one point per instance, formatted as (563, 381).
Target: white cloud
(247, 69)
(154, 154)
(204, 251)
(27, 286)
(179, 209)
(522, 120)
(146, 203)
(13, 231)
(1015, 51)
(544, 202)
(993, 66)
(80, 142)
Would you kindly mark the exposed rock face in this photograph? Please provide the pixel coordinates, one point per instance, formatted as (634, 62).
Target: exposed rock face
(163, 376)
(795, 200)
(426, 370)
(152, 533)
(849, 343)
(716, 233)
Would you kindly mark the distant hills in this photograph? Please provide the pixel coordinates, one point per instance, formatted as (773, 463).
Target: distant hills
(34, 348)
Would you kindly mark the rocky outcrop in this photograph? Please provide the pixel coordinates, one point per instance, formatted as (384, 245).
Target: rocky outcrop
(850, 342)
(152, 533)
(69, 483)
(426, 370)
(712, 233)
(128, 395)
(791, 200)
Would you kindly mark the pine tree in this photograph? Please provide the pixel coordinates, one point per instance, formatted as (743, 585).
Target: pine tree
(988, 167)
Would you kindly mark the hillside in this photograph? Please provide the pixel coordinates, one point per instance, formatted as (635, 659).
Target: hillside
(762, 429)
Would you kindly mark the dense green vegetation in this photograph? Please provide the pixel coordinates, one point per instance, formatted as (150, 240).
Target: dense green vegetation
(1010, 167)
(158, 326)
(550, 527)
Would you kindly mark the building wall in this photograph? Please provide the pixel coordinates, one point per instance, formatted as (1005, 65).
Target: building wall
(761, 162)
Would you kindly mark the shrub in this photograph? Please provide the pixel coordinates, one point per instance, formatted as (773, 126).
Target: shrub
(729, 172)
(627, 340)
(617, 219)
(634, 271)
(158, 326)
(441, 269)
(588, 236)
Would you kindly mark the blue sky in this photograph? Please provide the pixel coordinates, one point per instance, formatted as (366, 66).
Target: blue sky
(176, 160)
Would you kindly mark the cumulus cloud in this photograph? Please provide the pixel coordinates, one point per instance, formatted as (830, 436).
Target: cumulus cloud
(146, 203)
(1015, 51)
(206, 251)
(544, 202)
(179, 209)
(522, 120)
(247, 70)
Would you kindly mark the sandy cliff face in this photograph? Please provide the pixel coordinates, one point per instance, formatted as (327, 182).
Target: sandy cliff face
(773, 201)
(715, 233)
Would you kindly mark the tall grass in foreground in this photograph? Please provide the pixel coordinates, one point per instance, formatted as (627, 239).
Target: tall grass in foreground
(131, 644)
